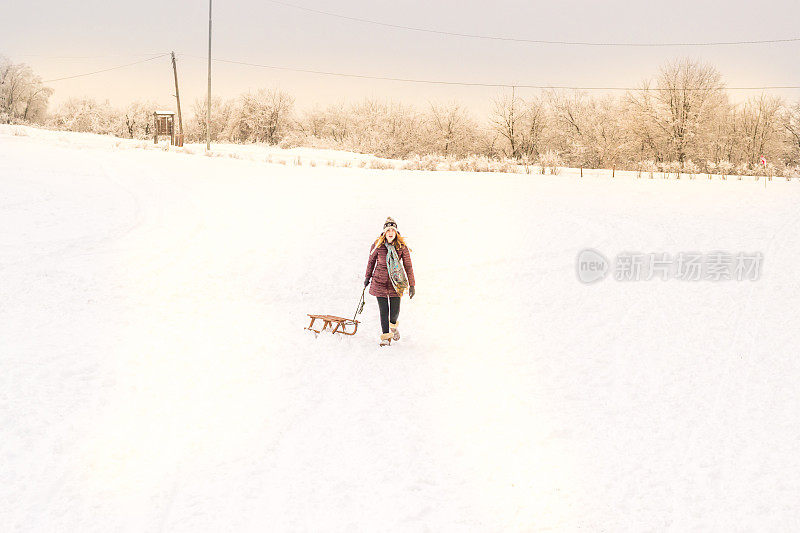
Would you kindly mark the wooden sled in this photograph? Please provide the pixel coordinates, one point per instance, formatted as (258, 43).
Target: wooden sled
(336, 323)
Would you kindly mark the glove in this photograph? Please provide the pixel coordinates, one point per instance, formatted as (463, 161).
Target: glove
(411, 292)
(366, 282)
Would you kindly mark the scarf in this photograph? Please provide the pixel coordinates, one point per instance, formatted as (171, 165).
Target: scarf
(396, 272)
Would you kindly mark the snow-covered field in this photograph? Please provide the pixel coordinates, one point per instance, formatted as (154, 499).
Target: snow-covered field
(155, 374)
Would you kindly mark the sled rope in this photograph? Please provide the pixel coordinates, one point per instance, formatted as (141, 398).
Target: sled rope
(360, 306)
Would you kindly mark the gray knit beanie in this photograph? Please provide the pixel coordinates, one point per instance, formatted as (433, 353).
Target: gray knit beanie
(390, 223)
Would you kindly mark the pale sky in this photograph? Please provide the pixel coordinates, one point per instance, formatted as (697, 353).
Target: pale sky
(38, 32)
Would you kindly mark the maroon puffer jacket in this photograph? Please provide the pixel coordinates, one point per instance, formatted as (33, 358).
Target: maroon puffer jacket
(381, 285)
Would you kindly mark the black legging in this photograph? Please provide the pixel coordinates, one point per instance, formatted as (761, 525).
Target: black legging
(386, 317)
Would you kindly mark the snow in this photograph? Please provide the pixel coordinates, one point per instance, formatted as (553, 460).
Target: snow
(156, 374)
(249, 152)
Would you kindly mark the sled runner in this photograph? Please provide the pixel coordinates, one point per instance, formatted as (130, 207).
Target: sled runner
(336, 323)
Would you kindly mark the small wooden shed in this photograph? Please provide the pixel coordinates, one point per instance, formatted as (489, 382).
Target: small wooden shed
(164, 122)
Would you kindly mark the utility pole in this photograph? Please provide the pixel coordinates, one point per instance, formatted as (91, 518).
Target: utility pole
(208, 102)
(178, 98)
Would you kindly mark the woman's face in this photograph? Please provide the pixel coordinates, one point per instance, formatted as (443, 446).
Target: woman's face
(390, 234)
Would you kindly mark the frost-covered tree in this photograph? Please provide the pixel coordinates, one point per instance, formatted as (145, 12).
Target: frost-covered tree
(389, 129)
(532, 133)
(673, 115)
(588, 131)
(521, 124)
(383, 128)
(791, 124)
(323, 128)
(137, 120)
(338, 122)
(450, 130)
(725, 168)
(87, 115)
(221, 111)
(261, 116)
(23, 97)
(691, 168)
(760, 119)
(312, 122)
(723, 135)
(508, 112)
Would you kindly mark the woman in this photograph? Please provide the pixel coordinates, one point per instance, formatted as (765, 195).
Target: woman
(389, 281)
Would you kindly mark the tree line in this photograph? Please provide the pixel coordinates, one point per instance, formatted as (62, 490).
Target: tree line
(681, 119)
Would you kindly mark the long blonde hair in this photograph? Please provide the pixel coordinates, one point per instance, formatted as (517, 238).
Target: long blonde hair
(398, 243)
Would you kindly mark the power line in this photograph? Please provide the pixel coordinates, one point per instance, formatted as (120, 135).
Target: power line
(105, 56)
(480, 84)
(106, 69)
(520, 40)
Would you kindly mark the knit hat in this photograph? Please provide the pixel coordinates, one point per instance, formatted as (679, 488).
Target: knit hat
(390, 223)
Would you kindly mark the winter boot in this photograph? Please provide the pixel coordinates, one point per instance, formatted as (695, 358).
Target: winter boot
(394, 331)
(386, 339)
